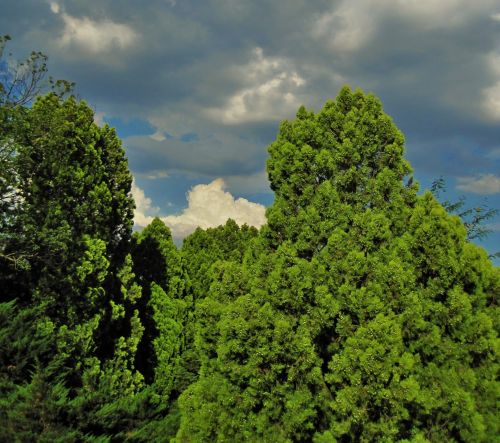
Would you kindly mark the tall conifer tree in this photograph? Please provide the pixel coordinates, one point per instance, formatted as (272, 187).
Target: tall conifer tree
(74, 218)
(74, 182)
(361, 311)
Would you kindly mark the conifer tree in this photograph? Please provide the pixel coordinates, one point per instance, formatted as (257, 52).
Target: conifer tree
(203, 248)
(157, 264)
(202, 253)
(363, 315)
(75, 220)
(20, 83)
(74, 182)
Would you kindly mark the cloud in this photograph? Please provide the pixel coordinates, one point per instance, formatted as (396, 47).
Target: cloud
(495, 227)
(482, 184)
(158, 136)
(251, 183)
(55, 8)
(209, 155)
(94, 36)
(142, 206)
(494, 154)
(209, 206)
(155, 175)
(270, 93)
(347, 27)
(99, 118)
(491, 94)
(351, 24)
(443, 13)
(491, 101)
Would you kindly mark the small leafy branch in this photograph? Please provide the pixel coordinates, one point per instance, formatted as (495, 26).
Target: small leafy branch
(21, 82)
(473, 218)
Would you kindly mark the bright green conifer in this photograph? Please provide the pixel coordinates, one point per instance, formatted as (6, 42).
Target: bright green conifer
(365, 316)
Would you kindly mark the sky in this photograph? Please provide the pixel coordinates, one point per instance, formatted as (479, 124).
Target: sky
(197, 89)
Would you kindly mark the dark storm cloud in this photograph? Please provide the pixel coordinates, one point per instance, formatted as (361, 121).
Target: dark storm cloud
(208, 156)
(195, 67)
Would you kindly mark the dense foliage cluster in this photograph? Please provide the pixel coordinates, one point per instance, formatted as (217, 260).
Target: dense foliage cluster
(360, 312)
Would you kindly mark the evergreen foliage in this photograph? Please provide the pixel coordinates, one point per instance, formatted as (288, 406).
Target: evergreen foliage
(157, 265)
(361, 312)
(74, 182)
(360, 317)
(203, 248)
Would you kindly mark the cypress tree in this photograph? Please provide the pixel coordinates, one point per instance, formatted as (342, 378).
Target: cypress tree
(158, 267)
(74, 182)
(75, 220)
(363, 314)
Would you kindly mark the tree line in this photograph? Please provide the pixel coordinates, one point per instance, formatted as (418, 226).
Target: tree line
(360, 312)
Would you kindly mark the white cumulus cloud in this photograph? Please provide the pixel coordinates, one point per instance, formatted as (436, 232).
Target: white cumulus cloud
(142, 206)
(94, 36)
(208, 206)
(481, 184)
(270, 91)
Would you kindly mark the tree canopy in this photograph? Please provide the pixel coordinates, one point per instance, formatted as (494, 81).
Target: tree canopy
(360, 312)
(355, 318)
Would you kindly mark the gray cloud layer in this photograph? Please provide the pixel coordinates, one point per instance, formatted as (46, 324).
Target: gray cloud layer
(230, 70)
